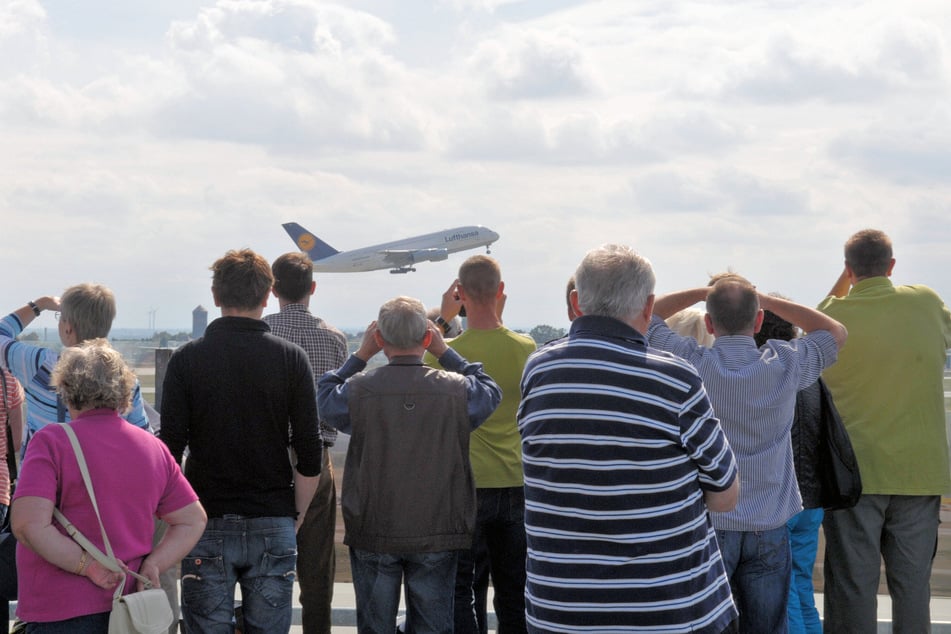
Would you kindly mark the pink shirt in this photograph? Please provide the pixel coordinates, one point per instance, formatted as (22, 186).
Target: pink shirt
(134, 478)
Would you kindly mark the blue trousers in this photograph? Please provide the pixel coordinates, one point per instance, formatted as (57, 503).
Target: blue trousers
(378, 577)
(88, 624)
(260, 554)
(804, 543)
(758, 565)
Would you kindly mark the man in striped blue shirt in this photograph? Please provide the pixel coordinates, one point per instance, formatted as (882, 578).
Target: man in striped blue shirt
(753, 391)
(622, 457)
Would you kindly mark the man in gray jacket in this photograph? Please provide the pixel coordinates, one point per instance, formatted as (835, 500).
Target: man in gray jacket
(408, 495)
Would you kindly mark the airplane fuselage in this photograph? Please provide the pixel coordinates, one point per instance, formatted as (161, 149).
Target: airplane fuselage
(400, 255)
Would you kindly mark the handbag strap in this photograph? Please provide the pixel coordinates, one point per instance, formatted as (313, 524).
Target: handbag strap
(108, 560)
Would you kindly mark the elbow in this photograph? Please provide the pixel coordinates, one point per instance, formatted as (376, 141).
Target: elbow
(723, 501)
(841, 335)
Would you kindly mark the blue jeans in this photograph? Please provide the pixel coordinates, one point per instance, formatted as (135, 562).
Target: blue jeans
(803, 542)
(498, 548)
(377, 578)
(758, 565)
(259, 553)
(87, 624)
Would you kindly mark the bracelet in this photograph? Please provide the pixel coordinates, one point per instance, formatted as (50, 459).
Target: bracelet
(36, 309)
(83, 562)
(442, 323)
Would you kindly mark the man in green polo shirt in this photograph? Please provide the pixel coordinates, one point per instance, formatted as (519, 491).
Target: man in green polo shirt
(888, 387)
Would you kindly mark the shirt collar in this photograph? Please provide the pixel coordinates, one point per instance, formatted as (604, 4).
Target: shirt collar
(600, 326)
(877, 282)
(406, 359)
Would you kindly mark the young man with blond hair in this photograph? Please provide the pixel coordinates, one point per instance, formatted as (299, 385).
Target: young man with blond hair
(498, 547)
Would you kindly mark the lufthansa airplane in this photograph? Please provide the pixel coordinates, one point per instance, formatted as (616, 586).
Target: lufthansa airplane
(399, 256)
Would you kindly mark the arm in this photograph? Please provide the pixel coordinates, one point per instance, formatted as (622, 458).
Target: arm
(333, 405)
(809, 319)
(842, 285)
(26, 315)
(304, 489)
(723, 501)
(14, 409)
(32, 523)
(667, 305)
(175, 409)
(185, 527)
(660, 336)
(451, 304)
(482, 393)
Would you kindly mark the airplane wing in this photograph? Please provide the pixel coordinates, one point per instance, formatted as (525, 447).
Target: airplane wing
(395, 257)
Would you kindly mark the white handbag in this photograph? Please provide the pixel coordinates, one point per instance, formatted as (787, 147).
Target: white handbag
(145, 612)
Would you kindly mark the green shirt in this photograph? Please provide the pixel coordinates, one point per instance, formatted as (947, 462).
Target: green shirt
(888, 385)
(495, 448)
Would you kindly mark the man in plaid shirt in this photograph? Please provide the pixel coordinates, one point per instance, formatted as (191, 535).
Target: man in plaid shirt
(327, 348)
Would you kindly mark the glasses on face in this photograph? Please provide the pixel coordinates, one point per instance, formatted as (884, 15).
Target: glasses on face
(56, 315)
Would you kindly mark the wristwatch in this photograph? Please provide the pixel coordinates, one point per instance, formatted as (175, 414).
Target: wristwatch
(36, 309)
(442, 323)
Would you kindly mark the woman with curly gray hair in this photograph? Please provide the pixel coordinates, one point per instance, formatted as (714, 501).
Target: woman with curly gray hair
(135, 479)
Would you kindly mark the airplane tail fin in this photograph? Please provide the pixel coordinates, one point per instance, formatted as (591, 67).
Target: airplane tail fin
(313, 246)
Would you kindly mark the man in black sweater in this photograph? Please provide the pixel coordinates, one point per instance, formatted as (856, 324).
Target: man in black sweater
(238, 398)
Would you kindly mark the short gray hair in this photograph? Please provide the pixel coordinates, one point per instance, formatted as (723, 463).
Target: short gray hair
(614, 281)
(402, 322)
(89, 309)
(92, 375)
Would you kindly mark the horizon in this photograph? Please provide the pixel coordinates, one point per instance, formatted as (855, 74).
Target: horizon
(145, 139)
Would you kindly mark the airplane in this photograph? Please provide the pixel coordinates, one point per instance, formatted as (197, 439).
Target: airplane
(399, 256)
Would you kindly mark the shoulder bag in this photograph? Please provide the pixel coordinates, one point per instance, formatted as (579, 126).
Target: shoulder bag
(836, 465)
(145, 612)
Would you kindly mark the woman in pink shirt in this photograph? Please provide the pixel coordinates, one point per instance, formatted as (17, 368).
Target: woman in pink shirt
(61, 587)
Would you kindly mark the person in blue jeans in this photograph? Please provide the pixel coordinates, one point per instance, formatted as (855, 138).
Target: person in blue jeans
(408, 498)
(753, 391)
(801, 613)
(238, 398)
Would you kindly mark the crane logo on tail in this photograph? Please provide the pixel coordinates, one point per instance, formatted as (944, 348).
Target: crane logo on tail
(306, 242)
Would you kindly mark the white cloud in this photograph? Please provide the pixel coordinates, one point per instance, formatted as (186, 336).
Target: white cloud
(893, 56)
(520, 63)
(908, 151)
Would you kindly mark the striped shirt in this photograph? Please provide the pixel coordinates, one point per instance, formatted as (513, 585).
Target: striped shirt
(619, 443)
(753, 391)
(12, 400)
(326, 347)
(32, 366)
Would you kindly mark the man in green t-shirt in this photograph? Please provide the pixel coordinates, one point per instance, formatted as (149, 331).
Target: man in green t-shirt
(495, 453)
(888, 387)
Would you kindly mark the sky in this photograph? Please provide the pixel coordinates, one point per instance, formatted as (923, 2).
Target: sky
(141, 140)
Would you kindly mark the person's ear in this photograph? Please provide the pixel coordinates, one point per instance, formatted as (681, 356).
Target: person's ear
(313, 288)
(427, 338)
(891, 265)
(573, 298)
(378, 338)
(760, 315)
(708, 322)
(648, 308)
